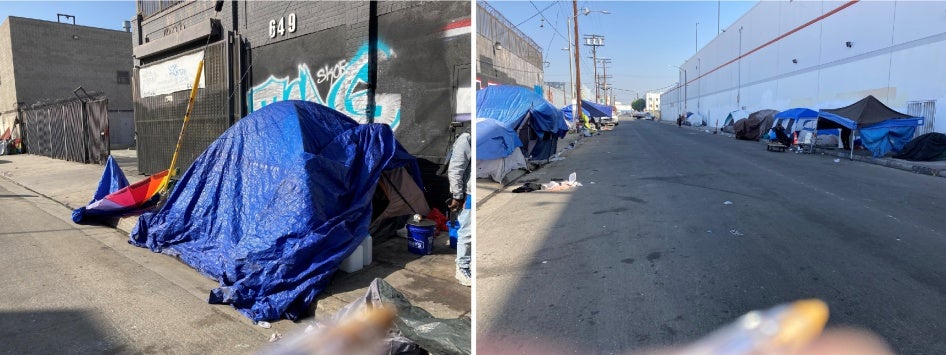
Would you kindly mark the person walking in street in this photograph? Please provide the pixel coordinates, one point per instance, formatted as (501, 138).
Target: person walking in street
(460, 186)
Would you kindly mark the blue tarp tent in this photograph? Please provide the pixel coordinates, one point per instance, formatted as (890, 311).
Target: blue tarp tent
(796, 119)
(535, 120)
(590, 109)
(882, 129)
(493, 140)
(275, 204)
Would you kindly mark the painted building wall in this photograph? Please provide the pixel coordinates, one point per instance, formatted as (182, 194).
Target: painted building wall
(788, 54)
(319, 52)
(43, 61)
(8, 107)
(516, 60)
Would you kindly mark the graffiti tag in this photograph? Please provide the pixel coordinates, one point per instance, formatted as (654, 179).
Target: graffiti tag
(347, 92)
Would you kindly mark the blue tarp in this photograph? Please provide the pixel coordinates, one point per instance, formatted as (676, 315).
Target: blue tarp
(493, 140)
(275, 204)
(113, 179)
(509, 105)
(589, 108)
(798, 113)
(882, 138)
(595, 109)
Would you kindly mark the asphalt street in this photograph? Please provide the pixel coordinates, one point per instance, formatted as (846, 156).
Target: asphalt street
(677, 232)
(84, 290)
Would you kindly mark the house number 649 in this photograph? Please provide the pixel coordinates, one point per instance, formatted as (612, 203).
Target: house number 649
(285, 24)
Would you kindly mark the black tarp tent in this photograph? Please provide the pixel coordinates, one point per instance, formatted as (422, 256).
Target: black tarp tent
(752, 128)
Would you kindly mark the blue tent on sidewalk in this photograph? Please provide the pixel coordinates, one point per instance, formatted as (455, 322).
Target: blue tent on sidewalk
(275, 204)
(538, 124)
(589, 108)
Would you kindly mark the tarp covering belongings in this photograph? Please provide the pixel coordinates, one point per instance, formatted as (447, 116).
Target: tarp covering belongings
(115, 198)
(882, 129)
(695, 119)
(731, 119)
(538, 124)
(275, 204)
(497, 150)
(927, 147)
(415, 331)
(755, 126)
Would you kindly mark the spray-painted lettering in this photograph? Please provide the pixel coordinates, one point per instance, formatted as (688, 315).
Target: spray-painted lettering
(347, 92)
(331, 73)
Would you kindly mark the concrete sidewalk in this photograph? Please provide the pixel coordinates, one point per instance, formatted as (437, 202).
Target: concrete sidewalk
(487, 188)
(427, 281)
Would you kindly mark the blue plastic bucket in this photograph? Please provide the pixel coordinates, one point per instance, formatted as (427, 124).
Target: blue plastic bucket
(420, 237)
(453, 227)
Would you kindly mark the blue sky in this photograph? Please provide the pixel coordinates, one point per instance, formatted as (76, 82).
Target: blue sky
(642, 38)
(102, 14)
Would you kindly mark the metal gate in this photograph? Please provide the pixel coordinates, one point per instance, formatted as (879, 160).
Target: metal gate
(74, 130)
(925, 109)
(158, 118)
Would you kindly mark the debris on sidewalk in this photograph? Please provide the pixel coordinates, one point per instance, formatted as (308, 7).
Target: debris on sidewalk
(735, 233)
(562, 186)
(727, 203)
(383, 319)
(264, 324)
(275, 337)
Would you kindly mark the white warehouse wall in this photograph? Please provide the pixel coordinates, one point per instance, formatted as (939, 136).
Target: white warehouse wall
(895, 56)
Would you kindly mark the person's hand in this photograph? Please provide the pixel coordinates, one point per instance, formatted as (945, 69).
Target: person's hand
(455, 204)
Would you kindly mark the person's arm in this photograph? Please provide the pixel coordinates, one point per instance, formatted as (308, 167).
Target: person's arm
(459, 164)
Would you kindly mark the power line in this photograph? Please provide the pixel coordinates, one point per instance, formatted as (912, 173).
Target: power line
(533, 16)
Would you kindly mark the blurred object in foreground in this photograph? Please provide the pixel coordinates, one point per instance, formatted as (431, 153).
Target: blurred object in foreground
(783, 329)
(383, 321)
(357, 333)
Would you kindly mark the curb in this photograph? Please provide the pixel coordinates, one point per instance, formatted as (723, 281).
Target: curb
(538, 165)
(887, 162)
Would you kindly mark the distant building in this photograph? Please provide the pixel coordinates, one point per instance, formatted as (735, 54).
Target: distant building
(505, 55)
(44, 61)
(817, 55)
(652, 103)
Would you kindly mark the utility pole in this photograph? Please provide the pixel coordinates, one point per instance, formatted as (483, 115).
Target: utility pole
(595, 41)
(696, 38)
(605, 76)
(577, 113)
(571, 84)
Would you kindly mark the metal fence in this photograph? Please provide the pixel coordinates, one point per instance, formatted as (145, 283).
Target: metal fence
(495, 27)
(74, 130)
(925, 109)
(148, 8)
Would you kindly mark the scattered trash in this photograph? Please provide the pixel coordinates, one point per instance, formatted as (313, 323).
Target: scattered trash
(545, 261)
(592, 182)
(735, 232)
(837, 160)
(527, 187)
(275, 337)
(556, 159)
(727, 203)
(709, 231)
(572, 177)
(264, 324)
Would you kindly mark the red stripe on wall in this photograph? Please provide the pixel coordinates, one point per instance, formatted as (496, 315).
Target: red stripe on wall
(776, 39)
(458, 24)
